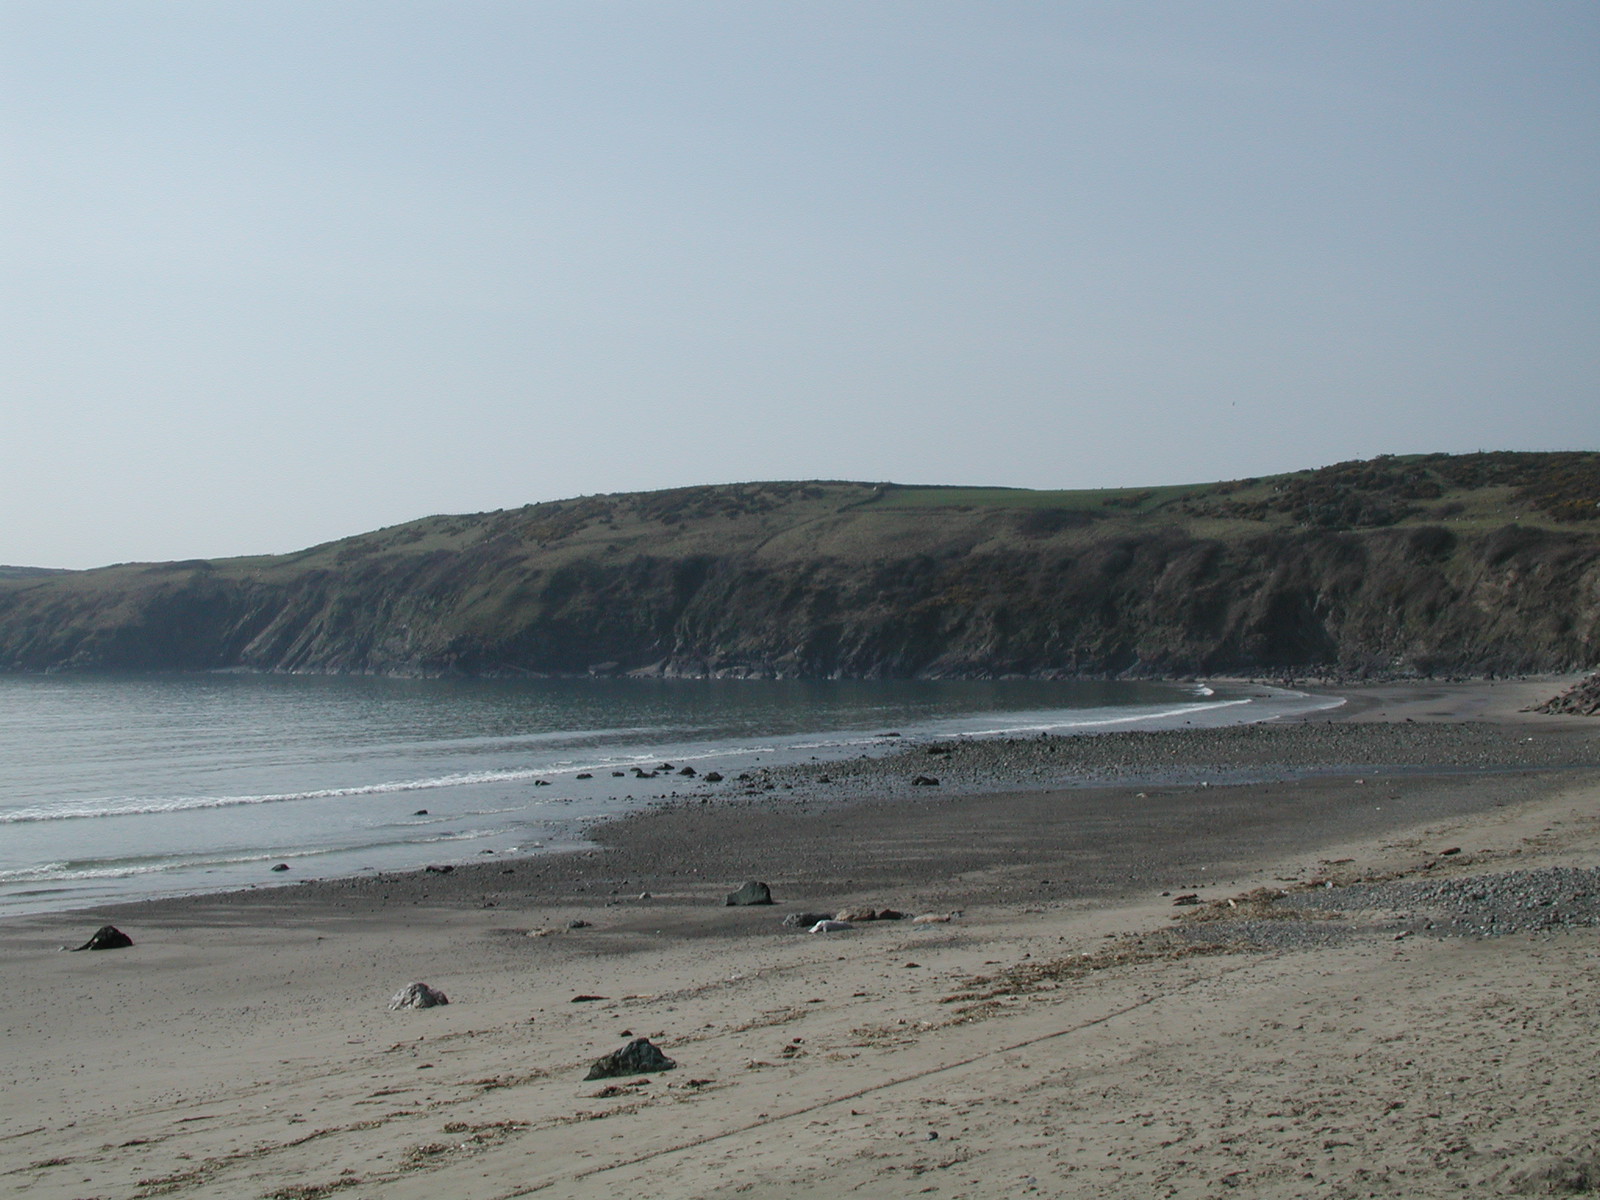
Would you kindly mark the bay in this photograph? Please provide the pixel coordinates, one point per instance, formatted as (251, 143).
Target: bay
(116, 788)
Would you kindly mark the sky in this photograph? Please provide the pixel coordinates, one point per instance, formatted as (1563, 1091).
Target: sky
(276, 273)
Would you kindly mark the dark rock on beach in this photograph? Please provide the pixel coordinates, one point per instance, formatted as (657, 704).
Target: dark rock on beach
(417, 995)
(752, 892)
(638, 1057)
(107, 937)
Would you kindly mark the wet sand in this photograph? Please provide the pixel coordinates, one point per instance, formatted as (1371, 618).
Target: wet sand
(1068, 1032)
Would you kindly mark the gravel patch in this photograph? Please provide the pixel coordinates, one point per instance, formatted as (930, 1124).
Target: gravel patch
(1524, 901)
(1201, 757)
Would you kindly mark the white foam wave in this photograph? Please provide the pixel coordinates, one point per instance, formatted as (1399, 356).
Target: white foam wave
(135, 806)
(56, 872)
(59, 871)
(1101, 722)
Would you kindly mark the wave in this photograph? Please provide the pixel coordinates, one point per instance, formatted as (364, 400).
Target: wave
(128, 868)
(141, 806)
(1101, 722)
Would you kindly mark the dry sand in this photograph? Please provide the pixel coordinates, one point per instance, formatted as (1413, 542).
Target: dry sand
(1069, 1033)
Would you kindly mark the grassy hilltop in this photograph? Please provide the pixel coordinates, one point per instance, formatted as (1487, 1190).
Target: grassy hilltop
(1433, 564)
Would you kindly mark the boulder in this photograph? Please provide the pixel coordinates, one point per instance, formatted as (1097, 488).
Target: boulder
(689, 771)
(805, 920)
(713, 776)
(107, 937)
(752, 892)
(417, 995)
(638, 1057)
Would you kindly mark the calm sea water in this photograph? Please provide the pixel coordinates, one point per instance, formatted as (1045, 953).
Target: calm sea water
(118, 788)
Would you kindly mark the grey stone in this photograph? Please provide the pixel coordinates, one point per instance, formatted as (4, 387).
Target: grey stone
(638, 1057)
(752, 892)
(805, 920)
(417, 995)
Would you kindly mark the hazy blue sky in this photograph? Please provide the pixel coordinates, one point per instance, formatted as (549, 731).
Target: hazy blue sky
(275, 272)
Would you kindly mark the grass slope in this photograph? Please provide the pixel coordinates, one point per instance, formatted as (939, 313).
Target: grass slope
(1421, 563)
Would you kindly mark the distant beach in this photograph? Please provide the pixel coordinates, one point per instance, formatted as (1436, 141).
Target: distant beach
(1112, 992)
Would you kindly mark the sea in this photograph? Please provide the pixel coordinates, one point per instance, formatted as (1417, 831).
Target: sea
(126, 787)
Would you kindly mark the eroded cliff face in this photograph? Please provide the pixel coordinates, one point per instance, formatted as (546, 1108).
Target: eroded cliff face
(844, 580)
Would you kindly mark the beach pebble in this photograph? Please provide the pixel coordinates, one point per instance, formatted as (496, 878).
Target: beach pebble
(869, 914)
(805, 920)
(107, 937)
(830, 927)
(638, 1057)
(417, 995)
(752, 892)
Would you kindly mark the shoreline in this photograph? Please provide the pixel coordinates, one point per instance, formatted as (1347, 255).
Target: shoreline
(65, 867)
(989, 764)
(1070, 1026)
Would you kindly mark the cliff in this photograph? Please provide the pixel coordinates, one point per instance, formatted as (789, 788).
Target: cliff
(1431, 564)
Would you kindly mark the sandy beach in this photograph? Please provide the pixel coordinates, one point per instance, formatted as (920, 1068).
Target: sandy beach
(1338, 1013)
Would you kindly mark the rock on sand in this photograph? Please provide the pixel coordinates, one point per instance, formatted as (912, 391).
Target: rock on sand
(751, 893)
(638, 1057)
(417, 995)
